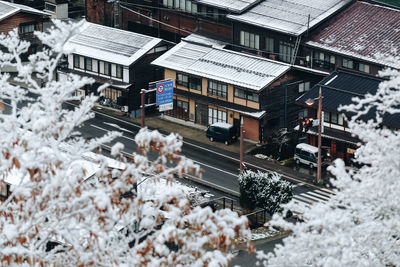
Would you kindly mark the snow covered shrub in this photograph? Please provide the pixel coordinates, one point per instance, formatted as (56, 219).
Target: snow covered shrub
(264, 190)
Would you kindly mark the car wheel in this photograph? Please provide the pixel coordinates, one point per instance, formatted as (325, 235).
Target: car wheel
(297, 161)
(226, 143)
(211, 139)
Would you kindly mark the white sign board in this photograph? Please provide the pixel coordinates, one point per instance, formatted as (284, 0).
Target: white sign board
(166, 107)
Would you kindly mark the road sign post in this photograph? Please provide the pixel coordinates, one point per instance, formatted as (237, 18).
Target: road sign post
(165, 95)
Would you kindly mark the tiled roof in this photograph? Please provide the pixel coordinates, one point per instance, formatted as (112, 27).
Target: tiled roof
(340, 87)
(363, 31)
(110, 44)
(290, 16)
(237, 6)
(222, 65)
(8, 9)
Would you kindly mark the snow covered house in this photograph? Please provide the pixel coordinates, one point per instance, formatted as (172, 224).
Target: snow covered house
(338, 89)
(361, 38)
(212, 84)
(275, 29)
(25, 19)
(119, 58)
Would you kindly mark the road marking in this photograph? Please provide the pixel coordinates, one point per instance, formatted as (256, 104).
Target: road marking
(302, 199)
(118, 127)
(312, 198)
(212, 151)
(327, 191)
(298, 184)
(198, 162)
(318, 195)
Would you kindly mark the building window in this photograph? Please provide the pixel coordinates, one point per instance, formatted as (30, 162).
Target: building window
(215, 115)
(195, 83)
(269, 44)
(88, 64)
(107, 68)
(118, 71)
(304, 87)
(182, 79)
(348, 63)
(185, 5)
(240, 93)
(303, 113)
(27, 28)
(76, 61)
(249, 40)
(334, 118)
(363, 67)
(324, 60)
(183, 105)
(216, 88)
(50, 7)
(285, 51)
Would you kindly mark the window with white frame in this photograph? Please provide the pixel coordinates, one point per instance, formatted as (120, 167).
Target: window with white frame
(348, 63)
(216, 88)
(363, 67)
(185, 5)
(304, 87)
(118, 73)
(215, 115)
(107, 68)
(76, 61)
(249, 40)
(241, 93)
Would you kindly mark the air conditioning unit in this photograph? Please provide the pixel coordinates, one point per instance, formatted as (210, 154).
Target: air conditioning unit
(124, 108)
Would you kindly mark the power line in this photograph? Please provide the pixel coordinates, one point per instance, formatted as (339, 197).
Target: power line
(205, 38)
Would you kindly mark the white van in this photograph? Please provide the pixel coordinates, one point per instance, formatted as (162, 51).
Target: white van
(308, 154)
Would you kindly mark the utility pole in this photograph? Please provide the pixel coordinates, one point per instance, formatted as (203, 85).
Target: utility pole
(319, 135)
(241, 145)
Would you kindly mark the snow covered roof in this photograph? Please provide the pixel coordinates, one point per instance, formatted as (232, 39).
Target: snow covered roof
(8, 9)
(198, 38)
(222, 65)
(290, 16)
(110, 44)
(237, 6)
(362, 31)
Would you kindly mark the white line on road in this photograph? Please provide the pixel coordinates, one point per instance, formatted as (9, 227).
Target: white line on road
(318, 195)
(302, 199)
(306, 195)
(198, 162)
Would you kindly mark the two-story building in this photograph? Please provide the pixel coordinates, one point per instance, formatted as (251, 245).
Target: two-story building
(212, 84)
(361, 38)
(276, 29)
(169, 19)
(337, 90)
(25, 19)
(119, 58)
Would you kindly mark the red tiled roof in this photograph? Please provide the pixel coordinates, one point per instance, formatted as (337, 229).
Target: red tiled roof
(363, 31)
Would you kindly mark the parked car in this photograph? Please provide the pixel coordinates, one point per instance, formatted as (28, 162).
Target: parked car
(308, 154)
(221, 131)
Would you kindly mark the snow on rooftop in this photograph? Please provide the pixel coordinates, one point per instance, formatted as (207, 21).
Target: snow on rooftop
(374, 37)
(197, 38)
(8, 9)
(223, 65)
(231, 5)
(290, 16)
(110, 44)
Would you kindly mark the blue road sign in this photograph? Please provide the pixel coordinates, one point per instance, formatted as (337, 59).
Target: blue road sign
(164, 93)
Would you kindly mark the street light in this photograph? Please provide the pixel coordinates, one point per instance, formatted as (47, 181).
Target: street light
(310, 102)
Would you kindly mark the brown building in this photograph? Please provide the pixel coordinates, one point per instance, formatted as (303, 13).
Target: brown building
(212, 84)
(25, 19)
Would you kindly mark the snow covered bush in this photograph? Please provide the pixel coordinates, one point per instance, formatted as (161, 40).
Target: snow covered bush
(54, 217)
(360, 226)
(264, 190)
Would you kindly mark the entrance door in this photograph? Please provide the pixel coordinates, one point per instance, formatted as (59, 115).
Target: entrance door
(201, 114)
